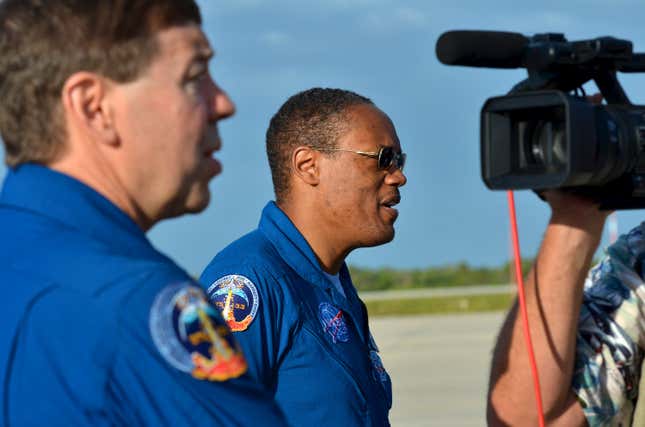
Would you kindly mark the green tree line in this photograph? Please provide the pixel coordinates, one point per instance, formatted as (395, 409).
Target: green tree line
(461, 274)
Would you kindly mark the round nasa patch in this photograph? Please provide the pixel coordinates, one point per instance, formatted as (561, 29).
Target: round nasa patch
(192, 337)
(237, 299)
(333, 322)
(378, 370)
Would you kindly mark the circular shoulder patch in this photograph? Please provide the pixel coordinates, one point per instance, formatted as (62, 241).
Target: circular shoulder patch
(237, 299)
(333, 322)
(191, 335)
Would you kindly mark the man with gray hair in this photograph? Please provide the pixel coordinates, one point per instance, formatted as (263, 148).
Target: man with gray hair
(109, 120)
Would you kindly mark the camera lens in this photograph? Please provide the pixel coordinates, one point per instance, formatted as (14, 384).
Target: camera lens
(536, 152)
(546, 144)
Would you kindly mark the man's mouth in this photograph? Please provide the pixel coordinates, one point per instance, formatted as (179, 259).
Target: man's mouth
(388, 206)
(215, 167)
(213, 144)
(209, 151)
(392, 201)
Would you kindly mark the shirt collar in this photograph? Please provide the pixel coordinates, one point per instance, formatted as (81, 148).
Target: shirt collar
(295, 250)
(291, 245)
(68, 201)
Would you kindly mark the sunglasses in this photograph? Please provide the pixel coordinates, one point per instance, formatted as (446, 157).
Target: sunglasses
(385, 156)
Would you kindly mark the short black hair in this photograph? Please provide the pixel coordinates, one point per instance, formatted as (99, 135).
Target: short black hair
(316, 117)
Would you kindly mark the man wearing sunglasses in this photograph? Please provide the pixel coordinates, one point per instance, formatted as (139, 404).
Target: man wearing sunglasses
(337, 166)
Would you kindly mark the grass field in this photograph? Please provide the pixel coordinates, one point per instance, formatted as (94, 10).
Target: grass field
(440, 305)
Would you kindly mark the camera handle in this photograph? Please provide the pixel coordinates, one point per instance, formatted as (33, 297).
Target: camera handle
(568, 81)
(610, 87)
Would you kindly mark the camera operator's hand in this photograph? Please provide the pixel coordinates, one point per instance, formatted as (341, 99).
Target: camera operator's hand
(571, 209)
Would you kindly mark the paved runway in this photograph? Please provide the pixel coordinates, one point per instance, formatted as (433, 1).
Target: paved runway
(437, 292)
(439, 367)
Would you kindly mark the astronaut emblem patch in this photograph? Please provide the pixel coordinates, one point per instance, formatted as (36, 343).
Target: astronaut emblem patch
(333, 322)
(378, 370)
(236, 297)
(191, 335)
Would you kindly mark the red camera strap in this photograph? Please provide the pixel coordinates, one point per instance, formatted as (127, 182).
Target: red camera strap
(525, 321)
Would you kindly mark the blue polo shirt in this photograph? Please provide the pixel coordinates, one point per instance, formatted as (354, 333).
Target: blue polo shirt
(99, 328)
(304, 340)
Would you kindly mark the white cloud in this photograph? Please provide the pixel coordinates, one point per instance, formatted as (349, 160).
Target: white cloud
(401, 18)
(411, 17)
(230, 4)
(350, 4)
(275, 38)
(555, 20)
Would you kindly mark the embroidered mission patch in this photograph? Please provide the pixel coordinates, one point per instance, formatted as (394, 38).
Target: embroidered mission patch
(333, 322)
(192, 337)
(378, 370)
(237, 299)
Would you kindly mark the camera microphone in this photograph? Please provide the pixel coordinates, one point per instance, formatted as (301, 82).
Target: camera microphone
(492, 49)
(544, 134)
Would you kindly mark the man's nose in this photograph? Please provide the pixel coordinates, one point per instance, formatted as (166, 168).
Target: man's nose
(397, 177)
(222, 105)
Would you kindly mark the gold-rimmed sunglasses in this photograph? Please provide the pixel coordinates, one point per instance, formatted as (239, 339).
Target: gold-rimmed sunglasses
(385, 156)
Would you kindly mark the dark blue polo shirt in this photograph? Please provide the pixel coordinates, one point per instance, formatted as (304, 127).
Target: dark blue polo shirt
(99, 328)
(304, 340)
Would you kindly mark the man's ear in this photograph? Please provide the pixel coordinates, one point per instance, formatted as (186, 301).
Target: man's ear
(305, 163)
(87, 107)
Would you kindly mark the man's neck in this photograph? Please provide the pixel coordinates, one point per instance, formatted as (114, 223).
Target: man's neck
(104, 180)
(326, 245)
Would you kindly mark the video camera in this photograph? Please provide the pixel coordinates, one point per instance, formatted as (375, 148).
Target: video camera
(545, 133)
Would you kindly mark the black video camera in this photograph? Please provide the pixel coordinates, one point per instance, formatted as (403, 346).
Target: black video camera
(545, 133)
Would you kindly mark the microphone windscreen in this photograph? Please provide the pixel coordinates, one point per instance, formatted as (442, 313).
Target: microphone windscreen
(493, 49)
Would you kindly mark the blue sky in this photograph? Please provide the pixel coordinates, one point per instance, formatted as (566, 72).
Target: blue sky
(384, 49)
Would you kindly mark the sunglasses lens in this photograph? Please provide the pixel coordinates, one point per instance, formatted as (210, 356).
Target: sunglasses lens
(385, 157)
(400, 161)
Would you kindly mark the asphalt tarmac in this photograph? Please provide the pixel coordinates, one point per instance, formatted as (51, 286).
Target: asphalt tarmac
(439, 367)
